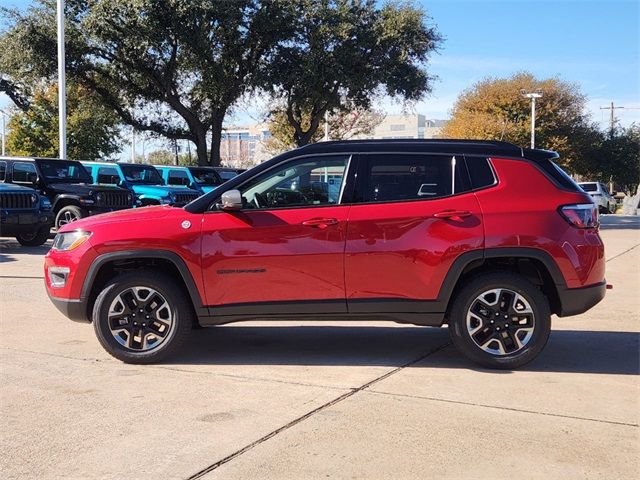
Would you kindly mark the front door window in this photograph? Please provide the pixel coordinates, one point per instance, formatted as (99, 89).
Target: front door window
(302, 183)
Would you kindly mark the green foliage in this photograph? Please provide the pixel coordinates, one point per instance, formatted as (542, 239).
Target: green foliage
(92, 130)
(343, 125)
(618, 159)
(494, 109)
(165, 157)
(344, 52)
(170, 67)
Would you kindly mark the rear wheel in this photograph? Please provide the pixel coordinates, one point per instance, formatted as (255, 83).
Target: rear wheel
(142, 317)
(34, 239)
(69, 214)
(500, 320)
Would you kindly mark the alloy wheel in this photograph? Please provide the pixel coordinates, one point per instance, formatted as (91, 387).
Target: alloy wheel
(140, 318)
(67, 217)
(500, 321)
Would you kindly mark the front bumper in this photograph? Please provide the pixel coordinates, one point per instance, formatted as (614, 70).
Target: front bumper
(73, 309)
(574, 301)
(27, 222)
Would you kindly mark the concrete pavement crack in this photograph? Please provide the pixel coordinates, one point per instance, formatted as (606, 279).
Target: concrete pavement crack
(311, 413)
(496, 407)
(620, 254)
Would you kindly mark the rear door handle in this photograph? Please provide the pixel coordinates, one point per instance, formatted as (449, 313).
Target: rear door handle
(453, 214)
(320, 222)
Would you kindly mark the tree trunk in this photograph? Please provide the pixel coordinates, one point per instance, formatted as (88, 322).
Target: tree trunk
(216, 138)
(201, 145)
(303, 138)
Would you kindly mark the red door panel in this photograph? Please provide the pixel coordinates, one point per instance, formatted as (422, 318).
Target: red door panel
(277, 255)
(404, 250)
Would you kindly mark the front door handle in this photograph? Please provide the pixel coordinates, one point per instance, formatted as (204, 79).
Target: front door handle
(453, 214)
(320, 223)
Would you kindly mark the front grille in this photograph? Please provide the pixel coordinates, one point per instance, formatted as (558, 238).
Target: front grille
(16, 200)
(114, 199)
(185, 197)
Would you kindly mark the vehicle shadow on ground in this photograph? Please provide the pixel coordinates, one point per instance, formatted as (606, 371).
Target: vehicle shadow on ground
(8, 248)
(567, 351)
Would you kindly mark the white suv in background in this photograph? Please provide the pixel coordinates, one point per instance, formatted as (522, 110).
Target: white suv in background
(601, 196)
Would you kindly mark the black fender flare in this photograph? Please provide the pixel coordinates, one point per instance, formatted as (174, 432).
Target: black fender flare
(467, 258)
(65, 196)
(168, 255)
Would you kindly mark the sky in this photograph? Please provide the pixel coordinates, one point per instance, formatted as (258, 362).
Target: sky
(595, 44)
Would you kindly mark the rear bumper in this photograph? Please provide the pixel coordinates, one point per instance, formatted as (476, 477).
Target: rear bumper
(73, 309)
(574, 301)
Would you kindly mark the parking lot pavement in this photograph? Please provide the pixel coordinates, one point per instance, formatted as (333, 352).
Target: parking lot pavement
(319, 400)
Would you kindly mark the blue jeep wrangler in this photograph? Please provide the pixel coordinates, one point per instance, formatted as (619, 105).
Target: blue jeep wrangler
(144, 180)
(24, 214)
(202, 179)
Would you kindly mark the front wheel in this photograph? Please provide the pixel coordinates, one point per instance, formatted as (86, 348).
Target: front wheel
(500, 320)
(142, 317)
(69, 214)
(34, 239)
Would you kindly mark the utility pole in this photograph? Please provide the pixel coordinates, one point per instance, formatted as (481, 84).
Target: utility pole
(62, 87)
(612, 118)
(4, 132)
(133, 145)
(532, 96)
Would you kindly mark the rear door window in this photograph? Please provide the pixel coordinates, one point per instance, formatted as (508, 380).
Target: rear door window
(178, 177)
(108, 175)
(401, 177)
(3, 170)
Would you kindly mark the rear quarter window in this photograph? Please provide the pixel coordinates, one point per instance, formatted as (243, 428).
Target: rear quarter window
(480, 172)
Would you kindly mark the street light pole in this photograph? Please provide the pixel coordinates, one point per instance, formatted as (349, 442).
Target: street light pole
(4, 132)
(62, 88)
(532, 96)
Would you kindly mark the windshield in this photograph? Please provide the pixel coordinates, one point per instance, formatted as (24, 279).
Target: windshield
(141, 174)
(205, 176)
(589, 187)
(64, 171)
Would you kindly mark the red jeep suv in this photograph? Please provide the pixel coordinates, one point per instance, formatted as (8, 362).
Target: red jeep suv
(486, 237)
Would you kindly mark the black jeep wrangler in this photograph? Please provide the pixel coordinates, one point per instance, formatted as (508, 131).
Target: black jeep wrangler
(23, 213)
(68, 186)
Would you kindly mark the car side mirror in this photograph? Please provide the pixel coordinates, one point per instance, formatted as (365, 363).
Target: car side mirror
(231, 200)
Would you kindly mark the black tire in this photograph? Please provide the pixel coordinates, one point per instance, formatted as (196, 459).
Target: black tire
(466, 299)
(181, 310)
(69, 214)
(34, 239)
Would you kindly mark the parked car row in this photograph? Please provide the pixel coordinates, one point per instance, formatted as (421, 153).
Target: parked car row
(39, 193)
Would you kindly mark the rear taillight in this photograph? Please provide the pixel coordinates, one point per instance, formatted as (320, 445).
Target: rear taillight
(584, 215)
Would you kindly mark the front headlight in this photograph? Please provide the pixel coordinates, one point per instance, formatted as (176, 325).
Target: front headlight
(169, 199)
(99, 197)
(130, 198)
(70, 240)
(45, 204)
(34, 198)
